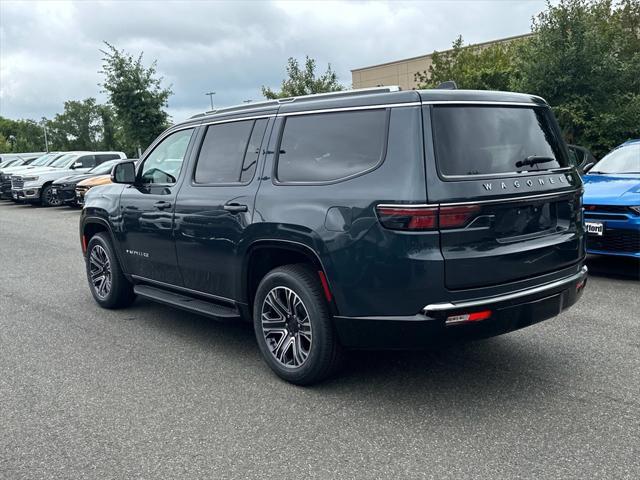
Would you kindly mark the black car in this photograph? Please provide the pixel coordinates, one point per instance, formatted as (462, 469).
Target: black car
(360, 219)
(64, 189)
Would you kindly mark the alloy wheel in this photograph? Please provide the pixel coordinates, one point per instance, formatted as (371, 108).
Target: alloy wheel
(50, 199)
(286, 327)
(100, 271)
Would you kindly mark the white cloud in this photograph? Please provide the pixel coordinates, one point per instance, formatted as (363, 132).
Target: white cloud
(49, 51)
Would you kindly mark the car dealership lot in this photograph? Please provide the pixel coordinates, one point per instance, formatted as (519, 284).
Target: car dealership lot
(154, 392)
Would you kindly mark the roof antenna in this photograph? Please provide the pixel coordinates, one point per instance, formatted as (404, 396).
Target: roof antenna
(448, 85)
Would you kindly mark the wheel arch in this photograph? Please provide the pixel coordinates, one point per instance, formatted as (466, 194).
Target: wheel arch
(264, 255)
(46, 184)
(91, 226)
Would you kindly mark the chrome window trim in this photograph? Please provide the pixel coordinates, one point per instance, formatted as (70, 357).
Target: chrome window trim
(523, 173)
(444, 307)
(349, 109)
(238, 119)
(482, 102)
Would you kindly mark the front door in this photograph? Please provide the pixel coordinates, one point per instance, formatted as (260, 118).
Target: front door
(214, 208)
(148, 246)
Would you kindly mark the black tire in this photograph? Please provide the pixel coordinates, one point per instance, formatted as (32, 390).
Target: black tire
(323, 352)
(120, 290)
(46, 197)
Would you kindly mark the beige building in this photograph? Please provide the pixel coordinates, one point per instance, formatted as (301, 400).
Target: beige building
(402, 72)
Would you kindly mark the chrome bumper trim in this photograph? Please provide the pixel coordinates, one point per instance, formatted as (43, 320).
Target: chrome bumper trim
(444, 307)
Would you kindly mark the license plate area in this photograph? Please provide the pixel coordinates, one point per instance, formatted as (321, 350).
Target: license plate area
(517, 221)
(594, 228)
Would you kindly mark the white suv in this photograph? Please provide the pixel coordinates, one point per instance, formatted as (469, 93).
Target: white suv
(35, 185)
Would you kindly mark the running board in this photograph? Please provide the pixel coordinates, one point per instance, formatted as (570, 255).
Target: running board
(184, 302)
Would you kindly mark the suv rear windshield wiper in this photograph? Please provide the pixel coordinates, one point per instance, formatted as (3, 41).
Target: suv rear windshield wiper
(534, 160)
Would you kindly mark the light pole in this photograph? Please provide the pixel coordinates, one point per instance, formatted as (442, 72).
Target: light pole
(211, 94)
(46, 140)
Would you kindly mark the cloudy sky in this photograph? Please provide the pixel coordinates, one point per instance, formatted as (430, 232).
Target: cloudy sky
(49, 51)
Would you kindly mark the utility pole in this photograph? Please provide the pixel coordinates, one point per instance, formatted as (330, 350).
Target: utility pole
(211, 94)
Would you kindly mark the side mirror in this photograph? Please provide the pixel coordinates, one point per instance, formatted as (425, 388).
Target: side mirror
(588, 167)
(124, 172)
(76, 165)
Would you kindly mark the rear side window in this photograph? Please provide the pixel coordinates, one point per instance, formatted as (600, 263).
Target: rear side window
(103, 157)
(87, 161)
(472, 140)
(331, 146)
(229, 152)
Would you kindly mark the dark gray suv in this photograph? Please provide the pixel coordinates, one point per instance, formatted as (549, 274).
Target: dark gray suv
(360, 219)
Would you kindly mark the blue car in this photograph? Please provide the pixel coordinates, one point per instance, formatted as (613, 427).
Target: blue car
(612, 202)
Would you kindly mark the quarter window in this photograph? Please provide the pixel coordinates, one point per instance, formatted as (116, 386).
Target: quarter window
(164, 163)
(229, 152)
(331, 146)
(87, 161)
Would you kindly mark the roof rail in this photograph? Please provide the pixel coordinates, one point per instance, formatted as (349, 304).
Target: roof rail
(342, 93)
(272, 103)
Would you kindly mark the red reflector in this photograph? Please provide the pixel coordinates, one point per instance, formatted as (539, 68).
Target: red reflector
(325, 285)
(84, 244)
(468, 317)
(474, 317)
(451, 217)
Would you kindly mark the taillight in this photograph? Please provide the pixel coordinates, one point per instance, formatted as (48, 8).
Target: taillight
(425, 217)
(455, 217)
(408, 218)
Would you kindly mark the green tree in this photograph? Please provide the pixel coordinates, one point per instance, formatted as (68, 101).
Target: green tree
(137, 97)
(110, 130)
(584, 59)
(487, 67)
(21, 136)
(78, 127)
(304, 81)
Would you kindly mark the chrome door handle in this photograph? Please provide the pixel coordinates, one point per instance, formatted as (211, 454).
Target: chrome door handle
(235, 208)
(162, 205)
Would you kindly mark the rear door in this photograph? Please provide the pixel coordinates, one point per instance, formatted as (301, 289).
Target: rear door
(215, 204)
(510, 203)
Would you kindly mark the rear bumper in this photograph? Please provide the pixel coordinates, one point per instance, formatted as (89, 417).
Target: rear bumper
(508, 312)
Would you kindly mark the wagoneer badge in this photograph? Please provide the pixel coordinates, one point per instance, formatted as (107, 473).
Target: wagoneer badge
(529, 182)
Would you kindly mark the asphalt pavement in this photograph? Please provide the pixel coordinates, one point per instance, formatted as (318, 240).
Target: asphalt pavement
(153, 392)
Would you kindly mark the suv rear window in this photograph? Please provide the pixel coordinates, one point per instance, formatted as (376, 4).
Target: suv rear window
(474, 140)
(331, 146)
